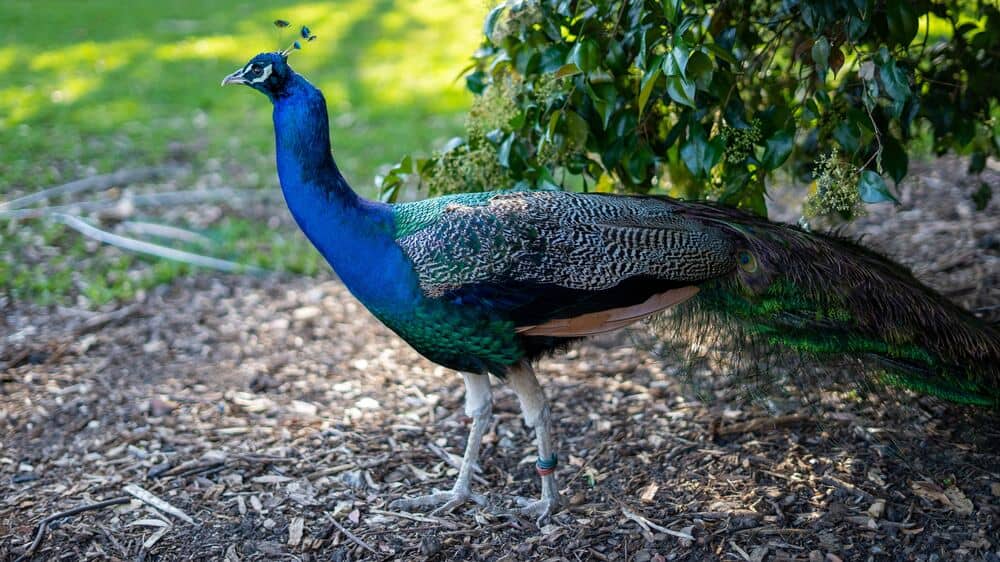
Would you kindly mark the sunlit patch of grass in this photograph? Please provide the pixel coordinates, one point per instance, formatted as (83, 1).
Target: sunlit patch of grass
(89, 57)
(7, 57)
(201, 48)
(391, 60)
(110, 86)
(156, 61)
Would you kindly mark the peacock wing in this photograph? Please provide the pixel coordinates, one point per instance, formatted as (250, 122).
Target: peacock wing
(563, 264)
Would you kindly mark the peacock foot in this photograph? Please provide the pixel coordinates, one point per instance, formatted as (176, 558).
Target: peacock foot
(442, 501)
(540, 509)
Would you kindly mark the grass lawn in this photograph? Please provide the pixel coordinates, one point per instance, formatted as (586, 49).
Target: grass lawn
(97, 86)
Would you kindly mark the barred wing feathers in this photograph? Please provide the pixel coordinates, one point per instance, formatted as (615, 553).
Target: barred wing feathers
(565, 264)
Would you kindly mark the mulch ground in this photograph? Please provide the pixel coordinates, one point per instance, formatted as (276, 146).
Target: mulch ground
(230, 418)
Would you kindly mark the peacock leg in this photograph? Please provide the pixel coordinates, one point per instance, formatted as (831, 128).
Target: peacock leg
(535, 409)
(478, 406)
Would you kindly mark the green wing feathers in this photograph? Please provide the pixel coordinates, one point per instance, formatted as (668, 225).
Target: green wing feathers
(824, 297)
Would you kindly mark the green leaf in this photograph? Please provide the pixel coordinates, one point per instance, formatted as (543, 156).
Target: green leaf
(648, 83)
(586, 55)
(894, 81)
(491, 20)
(698, 154)
(503, 152)
(821, 54)
(567, 70)
(670, 67)
(856, 28)
(699, 69)
(672, 9)
(777, 149)
(895, 162)
(550, 131)
(545, 180)
(476, 82)
(809, 15)
(553, 59)
(872, 188)
(902, 21)
(693, 151)
(848, 136)
(720, 52)
(680, 54)
(576, 128)
(603, 96)
(681, 90)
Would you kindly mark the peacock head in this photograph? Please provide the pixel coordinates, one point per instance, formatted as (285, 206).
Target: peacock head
(268, 73)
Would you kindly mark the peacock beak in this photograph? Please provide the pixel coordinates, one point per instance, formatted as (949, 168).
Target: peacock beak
(234, 78)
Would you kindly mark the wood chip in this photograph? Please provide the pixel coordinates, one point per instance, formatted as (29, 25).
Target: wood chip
(649, 493)
(295, 531)
(147, 497)
(154, 538)
(149, 523)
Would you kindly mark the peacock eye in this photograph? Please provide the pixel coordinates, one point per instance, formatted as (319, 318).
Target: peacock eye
(747, 261)
(255, 68)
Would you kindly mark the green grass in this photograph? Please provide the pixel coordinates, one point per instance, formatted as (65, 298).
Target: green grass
(98, 86)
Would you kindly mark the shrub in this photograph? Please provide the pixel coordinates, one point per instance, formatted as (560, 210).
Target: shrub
(708, 99)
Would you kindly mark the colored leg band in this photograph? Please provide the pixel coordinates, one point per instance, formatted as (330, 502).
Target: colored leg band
(546, 466)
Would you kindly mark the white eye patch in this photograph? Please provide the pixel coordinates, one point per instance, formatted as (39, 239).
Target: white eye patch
(264, 74)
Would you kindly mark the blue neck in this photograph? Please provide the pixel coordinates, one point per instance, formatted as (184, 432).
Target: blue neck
(353, 234)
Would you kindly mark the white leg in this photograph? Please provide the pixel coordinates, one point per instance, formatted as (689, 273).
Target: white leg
(536, 412)
(478, 406)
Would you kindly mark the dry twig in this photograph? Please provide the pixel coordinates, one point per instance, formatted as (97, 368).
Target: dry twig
(351, 536)
(761, 423)
(152, 249)
(43, 525)
(147, 497)
(846, 486)
(646, 524)
(93, 183)
(414, 517)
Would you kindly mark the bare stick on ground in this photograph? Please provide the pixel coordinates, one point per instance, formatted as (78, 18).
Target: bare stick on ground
(352, 536)
(44, 524)
(152, 249)
(93, 183)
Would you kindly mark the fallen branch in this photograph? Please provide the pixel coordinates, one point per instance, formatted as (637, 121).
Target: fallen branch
(44, 524)
(153, 249)
(414, 517)
(717, 515)
(164, 199)
(101, 320)
(351, 536)
(761, 423)
(93, 183)
(646, 525)
(835, 482)
(456, 462)
(165, 231)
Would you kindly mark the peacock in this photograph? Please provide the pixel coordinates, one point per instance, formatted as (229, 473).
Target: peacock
(487, 283)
